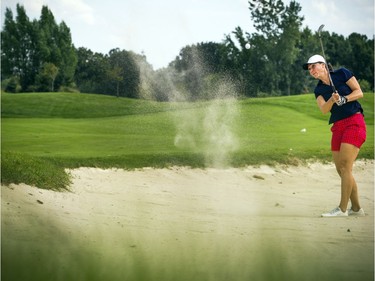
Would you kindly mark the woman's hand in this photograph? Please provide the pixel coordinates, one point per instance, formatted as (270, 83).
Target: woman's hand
(339, 100)
(335, 97)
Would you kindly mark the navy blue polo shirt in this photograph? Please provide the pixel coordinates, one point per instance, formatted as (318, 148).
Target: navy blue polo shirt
(339, 79)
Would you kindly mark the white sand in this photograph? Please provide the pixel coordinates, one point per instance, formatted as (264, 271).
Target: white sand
(255, 223)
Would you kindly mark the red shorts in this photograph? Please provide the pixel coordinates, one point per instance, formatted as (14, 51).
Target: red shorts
(350, 130)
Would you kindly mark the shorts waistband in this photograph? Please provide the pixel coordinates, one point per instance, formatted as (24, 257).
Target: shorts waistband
(349, 119)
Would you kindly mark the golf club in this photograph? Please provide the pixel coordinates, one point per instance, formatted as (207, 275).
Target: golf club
(324, 56)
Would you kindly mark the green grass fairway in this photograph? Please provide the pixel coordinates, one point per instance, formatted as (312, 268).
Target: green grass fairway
(72, 130)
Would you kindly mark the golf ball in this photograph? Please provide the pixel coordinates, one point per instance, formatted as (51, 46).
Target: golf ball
(247, 46)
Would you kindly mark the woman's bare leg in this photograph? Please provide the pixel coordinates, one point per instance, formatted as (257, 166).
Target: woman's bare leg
(344, 160)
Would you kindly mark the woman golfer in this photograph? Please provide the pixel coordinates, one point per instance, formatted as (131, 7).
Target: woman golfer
(348, 129)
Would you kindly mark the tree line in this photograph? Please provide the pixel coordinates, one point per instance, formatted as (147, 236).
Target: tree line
(39, 55)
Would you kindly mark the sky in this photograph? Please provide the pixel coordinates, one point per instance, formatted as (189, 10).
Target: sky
(159, 29)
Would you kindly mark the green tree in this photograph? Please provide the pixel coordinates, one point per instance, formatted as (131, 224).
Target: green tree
(338, 51)
(48, 34)
(362, 59)
(288, 42)
(308, 45)
(239, 61)
(91, 71)
(46, 78)
(26, 46)
(25, 52)
(68, 54)
(279, 26)
(127, 74)
(266, 15)
(17, 54)
(9, 46)
(55, 46)
(114, 75)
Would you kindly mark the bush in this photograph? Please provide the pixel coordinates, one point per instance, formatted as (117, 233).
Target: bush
(71, 88)
(365, 85)
(11, 85)
(66, 89)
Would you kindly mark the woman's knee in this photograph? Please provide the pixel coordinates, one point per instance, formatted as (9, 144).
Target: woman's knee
(338, 171)
(344, 167)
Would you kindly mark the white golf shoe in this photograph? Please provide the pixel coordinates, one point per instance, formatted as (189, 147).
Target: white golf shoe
(336, 212)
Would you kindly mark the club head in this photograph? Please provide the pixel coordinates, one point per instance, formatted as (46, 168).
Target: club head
(320, 29)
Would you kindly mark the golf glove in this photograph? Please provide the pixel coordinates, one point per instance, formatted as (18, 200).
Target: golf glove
(343, 100)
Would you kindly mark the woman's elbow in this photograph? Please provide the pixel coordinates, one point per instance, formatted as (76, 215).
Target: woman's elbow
(356, 95)
(360, 94)
(323, 110)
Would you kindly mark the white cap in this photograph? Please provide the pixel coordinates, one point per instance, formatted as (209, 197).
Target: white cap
(313, 59)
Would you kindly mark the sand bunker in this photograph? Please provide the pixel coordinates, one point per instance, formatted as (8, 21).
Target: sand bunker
(253, 223)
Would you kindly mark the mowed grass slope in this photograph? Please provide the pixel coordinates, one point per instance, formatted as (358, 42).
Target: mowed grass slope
(69, 130)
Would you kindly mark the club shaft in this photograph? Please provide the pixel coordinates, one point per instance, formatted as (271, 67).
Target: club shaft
(324, 56)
